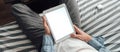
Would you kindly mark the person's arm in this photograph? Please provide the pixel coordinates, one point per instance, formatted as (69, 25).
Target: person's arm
(47, 45)
(98, 44)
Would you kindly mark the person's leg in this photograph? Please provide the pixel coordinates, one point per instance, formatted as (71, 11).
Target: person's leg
(73, 9)
(30, 22)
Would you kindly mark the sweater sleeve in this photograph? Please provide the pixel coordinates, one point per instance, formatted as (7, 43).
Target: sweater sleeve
(47, 45)
(98, 44)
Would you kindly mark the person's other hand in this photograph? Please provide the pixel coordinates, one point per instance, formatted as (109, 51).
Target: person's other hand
(81, 35)
(47, 30)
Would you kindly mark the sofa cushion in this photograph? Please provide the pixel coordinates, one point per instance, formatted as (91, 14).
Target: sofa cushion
(13, 40)
(102, 18)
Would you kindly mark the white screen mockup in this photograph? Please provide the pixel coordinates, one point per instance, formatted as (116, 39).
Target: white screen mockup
(60, 23)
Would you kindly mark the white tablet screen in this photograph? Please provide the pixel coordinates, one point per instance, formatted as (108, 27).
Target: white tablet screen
(60, 23)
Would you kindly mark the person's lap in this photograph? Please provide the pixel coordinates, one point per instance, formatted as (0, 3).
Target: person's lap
(74, 45)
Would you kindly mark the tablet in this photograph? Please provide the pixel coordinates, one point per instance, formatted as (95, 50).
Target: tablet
(60, 23)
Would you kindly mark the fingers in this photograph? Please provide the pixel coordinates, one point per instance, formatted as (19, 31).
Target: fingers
(47, 30)
(76, 29)
(79, 31)
(44, 20)
(73, 35)
(81, 35)
(76, 36)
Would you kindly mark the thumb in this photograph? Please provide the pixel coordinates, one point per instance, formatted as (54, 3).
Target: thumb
(75, 36)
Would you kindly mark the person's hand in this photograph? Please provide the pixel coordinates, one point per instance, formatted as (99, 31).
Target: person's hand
(47, 30)
(81, 35)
